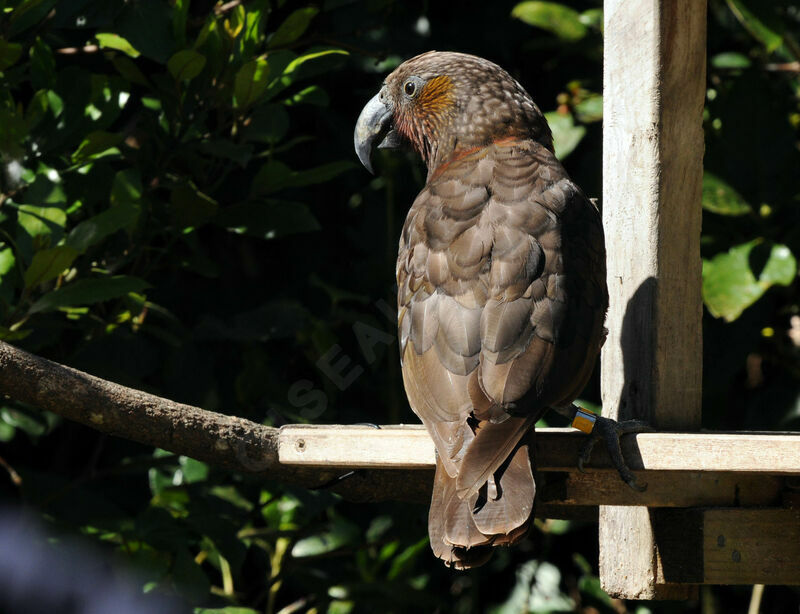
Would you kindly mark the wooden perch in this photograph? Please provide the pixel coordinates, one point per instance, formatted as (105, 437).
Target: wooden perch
(396, 462)
(747, 538)
(224, 441)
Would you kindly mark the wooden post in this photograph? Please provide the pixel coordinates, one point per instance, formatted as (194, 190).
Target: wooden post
(654, 87)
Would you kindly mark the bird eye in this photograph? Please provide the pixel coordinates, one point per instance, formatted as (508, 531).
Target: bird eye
(410, 88)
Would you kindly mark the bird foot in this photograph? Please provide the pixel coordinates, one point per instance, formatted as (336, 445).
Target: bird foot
(610, 431)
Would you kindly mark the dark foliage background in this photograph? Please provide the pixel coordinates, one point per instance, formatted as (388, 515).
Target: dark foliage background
(181, 212)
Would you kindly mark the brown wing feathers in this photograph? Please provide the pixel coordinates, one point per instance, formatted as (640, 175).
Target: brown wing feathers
(482, 335)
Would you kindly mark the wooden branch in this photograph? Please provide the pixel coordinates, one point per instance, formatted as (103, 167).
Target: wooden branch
(654, 88)
(224, 441)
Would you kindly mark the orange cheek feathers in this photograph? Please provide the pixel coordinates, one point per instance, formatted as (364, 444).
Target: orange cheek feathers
(435, 97)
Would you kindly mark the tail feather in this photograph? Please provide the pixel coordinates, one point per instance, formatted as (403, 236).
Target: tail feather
(515, 492)
(463, 530)
(492, 446)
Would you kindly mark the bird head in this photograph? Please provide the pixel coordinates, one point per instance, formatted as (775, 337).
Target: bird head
(446, 103)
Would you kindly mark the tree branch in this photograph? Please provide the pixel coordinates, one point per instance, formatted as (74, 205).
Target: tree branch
(225, 441)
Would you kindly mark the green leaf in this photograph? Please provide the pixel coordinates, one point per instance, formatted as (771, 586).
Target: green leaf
(43, 65)
(593, 18)
(48, 264)
(378, 527)
(109, 40)
(721, 198)
(186, 64)
(40, 221)
(555, 526)
(96, 144)
(251, 82)
(341, 607)
(32, 422)
(6, 334)
(590, 585)
(757, 28)
(129, 70)
(566, 135)
(37, 109)
(300, 62)
(96, 228)
(311, 95)
(734, 280)
(7, 261)
(257, 13)
(7, 431)
(590, 109)
(293, 27)
(561, 20)
(403, 562)
(9, 53)
(283, 513)
(126, 189)
(341, 533)
(88, 292)
(290, 68)
(275, 176)
(179, 16)
(730, 59)
(193, 470)
(210, 43)
(55, 102)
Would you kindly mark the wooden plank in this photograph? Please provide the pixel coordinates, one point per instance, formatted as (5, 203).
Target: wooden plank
(729, 546)
(681, 469)
(555, 449)
(751, 546)
(664, 489)
(773, 453)
(348, 447)
(654, 86)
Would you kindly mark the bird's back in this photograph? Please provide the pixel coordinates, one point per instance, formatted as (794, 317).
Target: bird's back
(502, 297)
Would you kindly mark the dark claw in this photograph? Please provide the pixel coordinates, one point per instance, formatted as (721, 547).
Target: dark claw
(610, 431)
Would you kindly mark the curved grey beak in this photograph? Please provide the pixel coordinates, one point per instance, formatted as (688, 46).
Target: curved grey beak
(374, 122)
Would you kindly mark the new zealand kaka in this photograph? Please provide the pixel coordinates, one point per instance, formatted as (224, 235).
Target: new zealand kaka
(501, 288)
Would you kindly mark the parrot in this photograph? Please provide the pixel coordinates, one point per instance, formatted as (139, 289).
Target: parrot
(502, 295)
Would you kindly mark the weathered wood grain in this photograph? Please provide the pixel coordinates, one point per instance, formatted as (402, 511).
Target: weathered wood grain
(729, 546)
(751, 546)
(555, 449)
(654, 86)
(350, 447)
(664, 489)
